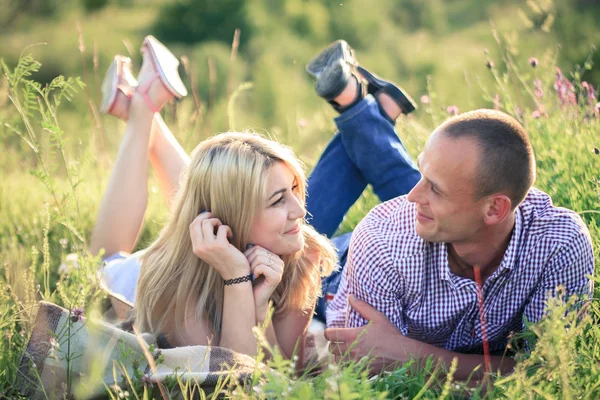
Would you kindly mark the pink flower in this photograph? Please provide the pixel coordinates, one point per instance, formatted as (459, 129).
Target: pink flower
(425, 99)
(539, 90)
(453, 110)
(77, 314)
(591, 93)
(540, 112)
(519, 113)
(564, 89)
(497, 102)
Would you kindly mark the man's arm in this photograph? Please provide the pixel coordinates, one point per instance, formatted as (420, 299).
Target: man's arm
(388, 347)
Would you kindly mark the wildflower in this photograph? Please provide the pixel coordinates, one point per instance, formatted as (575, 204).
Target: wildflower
(536, 114)
(497, 102)
(489, 64)
(63, 243)
(539, 90)
(533, 62)
(147, 381)
(519, 113)
(453, 110)
(71, 262)
(591, 93)
(425, 99)
(77, 314)
(564, 88)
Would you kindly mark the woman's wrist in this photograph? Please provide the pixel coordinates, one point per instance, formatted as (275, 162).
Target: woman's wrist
(239, 279)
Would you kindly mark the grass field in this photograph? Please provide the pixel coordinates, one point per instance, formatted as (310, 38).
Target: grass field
(57, 153)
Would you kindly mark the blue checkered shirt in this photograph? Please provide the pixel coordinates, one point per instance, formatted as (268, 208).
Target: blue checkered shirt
(409, 280)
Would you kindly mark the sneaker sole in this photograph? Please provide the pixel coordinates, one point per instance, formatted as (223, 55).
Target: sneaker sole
(167, 64)
(338, 50)
(109, 86)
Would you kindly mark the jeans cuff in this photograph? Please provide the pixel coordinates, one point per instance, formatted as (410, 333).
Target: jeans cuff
(359, 107)
(355, 109)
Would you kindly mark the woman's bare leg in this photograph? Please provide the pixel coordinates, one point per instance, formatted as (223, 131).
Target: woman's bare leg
(122, 209)
(167, 157)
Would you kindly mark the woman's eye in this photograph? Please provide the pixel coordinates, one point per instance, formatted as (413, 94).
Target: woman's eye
(278, 201)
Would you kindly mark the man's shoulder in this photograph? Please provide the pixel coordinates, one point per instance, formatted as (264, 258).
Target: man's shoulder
(542, 218)
(390, 227)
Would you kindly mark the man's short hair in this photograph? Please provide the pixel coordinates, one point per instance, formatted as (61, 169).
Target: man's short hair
(507, 162)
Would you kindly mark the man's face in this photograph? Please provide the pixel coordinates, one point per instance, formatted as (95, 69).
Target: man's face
(448, 210)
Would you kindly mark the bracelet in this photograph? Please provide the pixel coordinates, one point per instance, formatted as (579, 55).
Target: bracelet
(241, 279)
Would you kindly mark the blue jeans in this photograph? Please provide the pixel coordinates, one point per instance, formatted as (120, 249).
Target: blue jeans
(366, 150)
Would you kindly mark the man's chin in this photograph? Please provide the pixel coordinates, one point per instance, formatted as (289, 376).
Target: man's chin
(426, 234)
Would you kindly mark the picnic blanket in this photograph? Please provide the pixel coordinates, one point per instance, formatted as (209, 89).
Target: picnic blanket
(62, 340)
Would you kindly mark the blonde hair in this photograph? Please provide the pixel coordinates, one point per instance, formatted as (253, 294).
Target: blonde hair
(227, 176)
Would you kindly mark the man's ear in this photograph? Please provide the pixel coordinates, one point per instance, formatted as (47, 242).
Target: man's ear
(498, 208)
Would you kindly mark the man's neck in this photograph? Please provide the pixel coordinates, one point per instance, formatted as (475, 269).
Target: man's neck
(486, 252)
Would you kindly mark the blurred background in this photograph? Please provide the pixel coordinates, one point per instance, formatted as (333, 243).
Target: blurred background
(244, 63)
(439, 48)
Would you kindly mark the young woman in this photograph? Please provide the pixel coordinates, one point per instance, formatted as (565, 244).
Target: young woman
(237, 237)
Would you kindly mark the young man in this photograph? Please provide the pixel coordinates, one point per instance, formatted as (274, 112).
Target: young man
(411, 269)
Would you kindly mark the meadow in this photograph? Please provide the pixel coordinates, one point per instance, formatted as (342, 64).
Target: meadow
(57, 152)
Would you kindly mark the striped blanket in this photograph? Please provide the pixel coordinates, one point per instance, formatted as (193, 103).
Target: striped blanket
(97, 354)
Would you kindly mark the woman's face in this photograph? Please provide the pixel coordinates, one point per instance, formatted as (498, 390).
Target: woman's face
(277, 226)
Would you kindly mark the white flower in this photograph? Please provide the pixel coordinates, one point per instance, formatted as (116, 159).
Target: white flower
(71, 262)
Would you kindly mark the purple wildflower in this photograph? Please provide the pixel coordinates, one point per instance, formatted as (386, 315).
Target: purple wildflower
(147, 381)
(539, 89)
(453, 110)
(519, 113)
(565, 90)
(425, 99)
(77, 314)
(540, 112)
(591, 93)
(533, 62)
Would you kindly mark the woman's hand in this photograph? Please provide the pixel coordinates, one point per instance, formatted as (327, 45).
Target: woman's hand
(270, 267)
(215, 249)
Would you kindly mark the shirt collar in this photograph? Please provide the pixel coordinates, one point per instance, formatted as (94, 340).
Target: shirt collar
(508, 260)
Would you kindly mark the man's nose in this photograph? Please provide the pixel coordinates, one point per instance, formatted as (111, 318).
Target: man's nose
(416, 193)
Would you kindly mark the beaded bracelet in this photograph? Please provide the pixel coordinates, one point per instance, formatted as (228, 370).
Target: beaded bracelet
(241, 279)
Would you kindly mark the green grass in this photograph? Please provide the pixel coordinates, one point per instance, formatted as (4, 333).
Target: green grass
(47, 215)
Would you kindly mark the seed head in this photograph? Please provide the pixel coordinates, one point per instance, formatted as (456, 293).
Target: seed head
(533, 62)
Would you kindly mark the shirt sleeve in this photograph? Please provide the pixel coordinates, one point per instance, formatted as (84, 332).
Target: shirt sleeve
(370, 274)
(571, 268)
